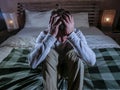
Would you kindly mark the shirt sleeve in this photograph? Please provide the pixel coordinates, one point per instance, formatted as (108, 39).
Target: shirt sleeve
(42, 47)
(79, 43)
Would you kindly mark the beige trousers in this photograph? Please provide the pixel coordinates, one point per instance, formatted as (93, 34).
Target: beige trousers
(74, 69)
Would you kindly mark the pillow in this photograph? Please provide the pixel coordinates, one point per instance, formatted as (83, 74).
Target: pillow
(37, 19)
(81, 19)
(11, 20)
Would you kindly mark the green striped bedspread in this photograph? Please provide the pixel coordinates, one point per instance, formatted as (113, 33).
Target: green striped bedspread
(15, 73)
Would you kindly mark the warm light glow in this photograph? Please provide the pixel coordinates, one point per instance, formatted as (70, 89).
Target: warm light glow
(10, 21)
(107, 19)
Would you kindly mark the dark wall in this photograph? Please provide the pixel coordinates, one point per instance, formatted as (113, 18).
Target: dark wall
(10, 5)
(110, 4)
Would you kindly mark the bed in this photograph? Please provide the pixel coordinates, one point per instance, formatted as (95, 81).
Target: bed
(15, 72)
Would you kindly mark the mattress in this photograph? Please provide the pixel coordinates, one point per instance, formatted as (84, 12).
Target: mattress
(18, 74)
(26, 38)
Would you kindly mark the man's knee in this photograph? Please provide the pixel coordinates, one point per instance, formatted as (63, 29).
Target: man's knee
(73, 59)
(51, 58)
(72, 55)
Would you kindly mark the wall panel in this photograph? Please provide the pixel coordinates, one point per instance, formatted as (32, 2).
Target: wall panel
(10, 5)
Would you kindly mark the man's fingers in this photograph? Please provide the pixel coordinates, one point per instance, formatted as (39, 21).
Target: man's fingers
(66, 18)
(59, 23)
(65, 22)
(56, 20)
(52, 18)
(72, 19)
(68, 15)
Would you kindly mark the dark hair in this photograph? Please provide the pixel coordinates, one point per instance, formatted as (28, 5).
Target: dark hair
(61, 13)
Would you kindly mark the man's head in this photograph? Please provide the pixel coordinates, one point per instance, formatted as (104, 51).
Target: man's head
(61, 24)
(61, 13)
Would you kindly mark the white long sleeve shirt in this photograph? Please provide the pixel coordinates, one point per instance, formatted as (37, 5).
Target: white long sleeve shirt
(45, 41)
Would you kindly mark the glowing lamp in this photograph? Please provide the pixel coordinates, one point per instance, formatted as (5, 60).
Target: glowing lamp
(108, 17)
(11, 21)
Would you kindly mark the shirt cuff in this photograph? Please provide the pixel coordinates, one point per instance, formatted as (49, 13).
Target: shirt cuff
(73, 37)
(49, 40)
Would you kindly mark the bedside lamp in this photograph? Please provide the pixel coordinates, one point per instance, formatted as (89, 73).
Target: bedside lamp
(108, 18)
(11, 21)
(10, 24)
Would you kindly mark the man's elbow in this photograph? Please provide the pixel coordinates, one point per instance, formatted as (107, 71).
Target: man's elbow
(31, 62)
(33, 66)
(93, 61)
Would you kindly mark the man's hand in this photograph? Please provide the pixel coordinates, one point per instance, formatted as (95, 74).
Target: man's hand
(69, 24)
(54, 24)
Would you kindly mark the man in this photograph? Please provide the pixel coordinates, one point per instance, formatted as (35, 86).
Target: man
(62, 45)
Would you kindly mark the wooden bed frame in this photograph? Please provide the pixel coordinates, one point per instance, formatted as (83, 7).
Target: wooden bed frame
(73, 6)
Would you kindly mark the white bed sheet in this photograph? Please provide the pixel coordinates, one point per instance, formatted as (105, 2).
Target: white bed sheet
(91, 31)
(98, 41)
(26, 39)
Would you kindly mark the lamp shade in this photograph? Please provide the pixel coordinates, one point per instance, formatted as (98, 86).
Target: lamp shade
(11, 20)
(108, 17)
